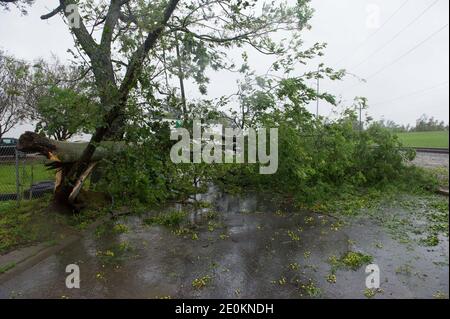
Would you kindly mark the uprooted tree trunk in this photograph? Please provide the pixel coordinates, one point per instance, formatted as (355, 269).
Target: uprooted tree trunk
(113, 95)
(62, 156)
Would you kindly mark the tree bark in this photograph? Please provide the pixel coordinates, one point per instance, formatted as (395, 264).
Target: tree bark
(62, 157)
(65, 152)
(113, 96)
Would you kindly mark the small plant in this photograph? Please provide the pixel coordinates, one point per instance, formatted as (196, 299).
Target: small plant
(351, 260)
(114, 254)
(212, 226)
(120, 228)
(294, 266)
(371, 292)
(431, 240)
(336, 226)
(311, 289)
(333, 260)
(439, 295)
(223, 236)
(182, 231)
(171, 219)
(124, 246)
(212, 214)
(355, 260)
(102, 230)
(6, 267)
(331, 278)
(282, 281)
(293, 235)
(200, 283)
(203, 204)
(280, 213)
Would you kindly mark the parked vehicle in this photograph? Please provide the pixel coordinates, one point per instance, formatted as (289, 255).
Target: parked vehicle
(8, 146)
(38, 190)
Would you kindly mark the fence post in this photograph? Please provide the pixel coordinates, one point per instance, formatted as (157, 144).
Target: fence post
(17, 178)
(31, 182)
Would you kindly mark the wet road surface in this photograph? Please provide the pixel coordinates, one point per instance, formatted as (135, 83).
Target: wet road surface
(248, 249)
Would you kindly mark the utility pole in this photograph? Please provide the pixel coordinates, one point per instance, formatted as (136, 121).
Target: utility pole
(181, 77)
(318, 90)
(360, 118)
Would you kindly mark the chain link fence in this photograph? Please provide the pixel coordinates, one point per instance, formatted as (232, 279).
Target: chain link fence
(23, 176)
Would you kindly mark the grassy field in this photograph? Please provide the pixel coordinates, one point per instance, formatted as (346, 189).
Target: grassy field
(8, 176)
(425, 139)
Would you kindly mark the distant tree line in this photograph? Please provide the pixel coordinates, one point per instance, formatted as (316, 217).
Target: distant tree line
(423, 124)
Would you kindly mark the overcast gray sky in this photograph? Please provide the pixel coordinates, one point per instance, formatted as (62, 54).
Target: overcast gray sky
(400, 46)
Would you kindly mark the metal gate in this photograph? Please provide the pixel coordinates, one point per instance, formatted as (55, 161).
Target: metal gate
(23, 176)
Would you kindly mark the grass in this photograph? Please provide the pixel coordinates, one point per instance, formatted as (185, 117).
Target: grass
(26, 225)
(5, 268)
(441, 174)
(424, 139)
(8, 175)
(4, 206)
(35, 222)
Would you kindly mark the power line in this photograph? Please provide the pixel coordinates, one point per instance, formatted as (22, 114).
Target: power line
(398, 59)
(408, 52)
(374, 33)
(397, 35)
(411, 94)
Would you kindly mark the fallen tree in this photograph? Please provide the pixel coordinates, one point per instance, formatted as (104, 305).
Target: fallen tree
(113, 94)
(129, 49)
(63, 155)
(64, 152)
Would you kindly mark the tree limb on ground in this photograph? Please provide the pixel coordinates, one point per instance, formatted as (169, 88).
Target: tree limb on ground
(64, 152)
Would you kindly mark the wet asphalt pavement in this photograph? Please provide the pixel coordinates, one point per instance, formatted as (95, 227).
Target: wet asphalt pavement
(249, 249)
